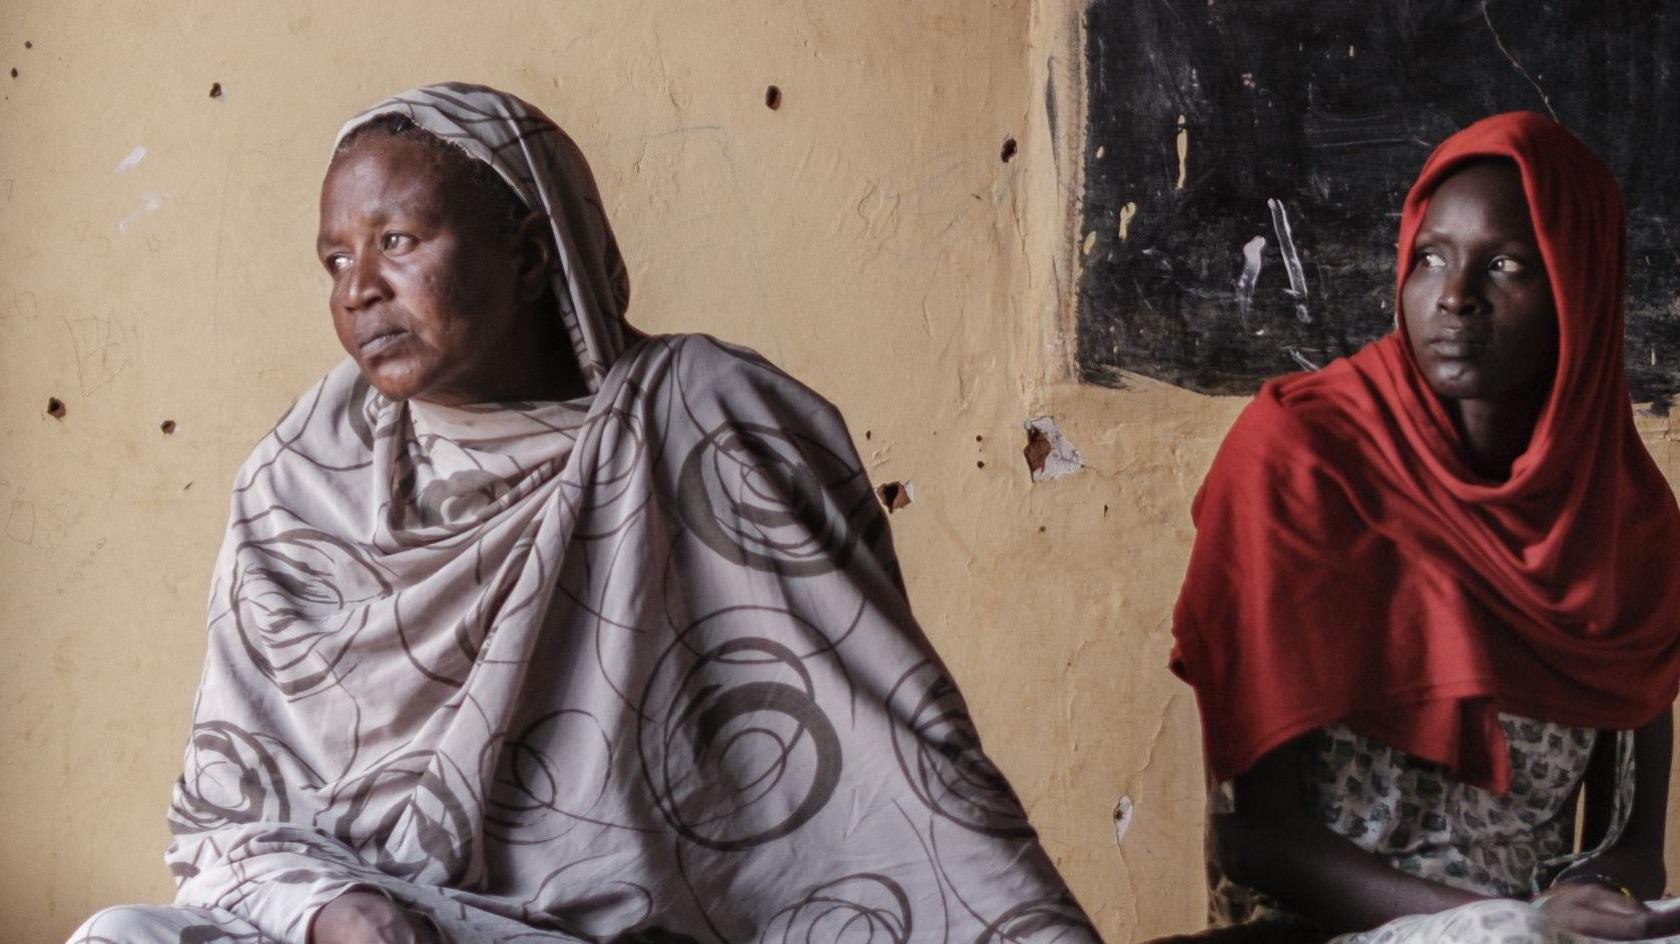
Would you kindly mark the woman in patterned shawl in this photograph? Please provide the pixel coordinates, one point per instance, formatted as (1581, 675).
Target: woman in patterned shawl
(1436, 588)
(528, 628)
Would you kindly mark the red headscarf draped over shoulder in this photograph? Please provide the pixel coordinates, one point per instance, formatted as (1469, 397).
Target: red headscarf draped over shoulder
(1349, 566)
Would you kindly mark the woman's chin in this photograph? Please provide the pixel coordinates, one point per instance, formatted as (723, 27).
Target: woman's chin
(394, 381)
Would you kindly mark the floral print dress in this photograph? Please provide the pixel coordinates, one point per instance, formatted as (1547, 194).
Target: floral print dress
(1409, 813)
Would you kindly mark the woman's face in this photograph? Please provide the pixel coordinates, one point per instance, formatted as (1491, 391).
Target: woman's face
(425, 289)
(1477, 302)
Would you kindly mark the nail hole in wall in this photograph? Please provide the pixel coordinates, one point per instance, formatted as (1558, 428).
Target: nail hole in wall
(55, 408)
(168, 427)
(772, 98)
(1009, 149)
(215, 90)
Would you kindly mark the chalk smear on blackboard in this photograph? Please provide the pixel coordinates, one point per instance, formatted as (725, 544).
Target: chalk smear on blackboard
(1291, 260)
(1252, 261)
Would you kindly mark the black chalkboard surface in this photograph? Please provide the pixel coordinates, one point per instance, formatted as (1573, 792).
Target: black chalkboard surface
(1246, 160)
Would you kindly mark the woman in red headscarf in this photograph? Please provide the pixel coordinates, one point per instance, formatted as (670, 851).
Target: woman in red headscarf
(1435, 590)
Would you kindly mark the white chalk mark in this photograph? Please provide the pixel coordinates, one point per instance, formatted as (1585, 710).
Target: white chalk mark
(1122, 818)
(151, 202)
(1291, 260)
(132, 160)
(1127, 213)
(1302, 360)
(1544, 98)
(1183, 143)
(1252, 261)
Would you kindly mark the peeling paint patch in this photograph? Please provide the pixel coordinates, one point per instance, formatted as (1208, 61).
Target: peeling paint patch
(1182, 141)
(132, 160)
(1122, 818)
(896, 495)
(1090, 242)
(1048, 455)
(1127, 214)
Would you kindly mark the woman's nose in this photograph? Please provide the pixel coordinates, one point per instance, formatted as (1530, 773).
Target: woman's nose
(1461, 292)
(364, 284)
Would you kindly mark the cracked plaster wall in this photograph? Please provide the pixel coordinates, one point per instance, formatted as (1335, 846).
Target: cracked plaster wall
(866, 235)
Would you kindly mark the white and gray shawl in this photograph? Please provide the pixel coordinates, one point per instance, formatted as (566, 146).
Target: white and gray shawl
(637, 667)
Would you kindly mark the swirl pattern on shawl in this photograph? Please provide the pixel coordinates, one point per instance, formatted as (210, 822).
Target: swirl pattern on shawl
(628, 692)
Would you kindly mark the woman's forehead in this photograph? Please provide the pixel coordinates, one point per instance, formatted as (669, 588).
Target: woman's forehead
(1486, 191)
(387, 170)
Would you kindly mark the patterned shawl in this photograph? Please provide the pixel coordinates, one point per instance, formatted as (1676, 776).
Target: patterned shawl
(636, 667)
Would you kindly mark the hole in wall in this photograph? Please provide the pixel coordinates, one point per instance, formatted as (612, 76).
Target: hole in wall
(772, 98)
(896, 495)
(1009, 148)
(55, 408)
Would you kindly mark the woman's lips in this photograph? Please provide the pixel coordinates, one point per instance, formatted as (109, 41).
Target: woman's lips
(380, 340)
(1457, 349)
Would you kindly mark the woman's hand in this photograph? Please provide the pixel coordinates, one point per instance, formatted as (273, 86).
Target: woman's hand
(368, 918)
(1596, 911)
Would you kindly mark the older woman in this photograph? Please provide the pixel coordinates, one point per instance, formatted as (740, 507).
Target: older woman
(527, 628)
(1436, 589)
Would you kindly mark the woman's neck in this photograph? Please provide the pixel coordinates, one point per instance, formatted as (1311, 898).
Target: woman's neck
(1495, 432)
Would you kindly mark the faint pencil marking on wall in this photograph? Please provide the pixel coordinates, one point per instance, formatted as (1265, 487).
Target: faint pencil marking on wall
(20, 524)
(104, 348)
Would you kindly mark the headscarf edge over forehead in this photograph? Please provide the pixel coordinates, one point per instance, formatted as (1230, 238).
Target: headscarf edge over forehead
(548, 172)
(1572, 198)
(1350, 567)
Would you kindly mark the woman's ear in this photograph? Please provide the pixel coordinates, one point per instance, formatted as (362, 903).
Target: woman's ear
(534, 243)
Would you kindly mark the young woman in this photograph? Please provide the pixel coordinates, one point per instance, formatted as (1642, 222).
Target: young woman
(1435, 590)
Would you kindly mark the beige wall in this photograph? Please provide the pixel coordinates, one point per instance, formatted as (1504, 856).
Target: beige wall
(866, 236)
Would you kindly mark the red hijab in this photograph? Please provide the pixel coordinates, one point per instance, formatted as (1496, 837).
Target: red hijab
(1350, 567)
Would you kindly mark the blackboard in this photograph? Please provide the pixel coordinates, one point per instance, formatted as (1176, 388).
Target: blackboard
(1280, 136)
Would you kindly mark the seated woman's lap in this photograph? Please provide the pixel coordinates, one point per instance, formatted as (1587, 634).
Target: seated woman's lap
(165, 924)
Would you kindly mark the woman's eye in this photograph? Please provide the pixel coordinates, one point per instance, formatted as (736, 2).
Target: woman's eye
(395, 242)
(1430, 259)
(1507, 264)
(337, 262)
